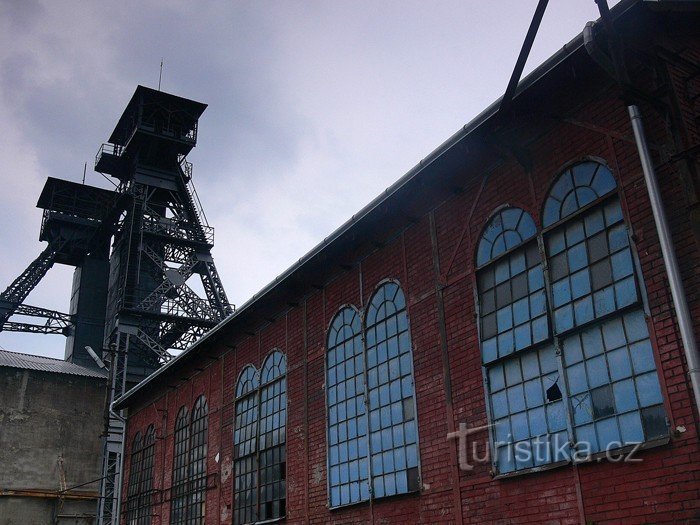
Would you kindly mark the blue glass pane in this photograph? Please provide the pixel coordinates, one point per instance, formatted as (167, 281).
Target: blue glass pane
(512, 370)
(625, 396)
(556, 416)
(574, 233)
(594, 223)
(570, 204)
(583, 310)
(577, 257)
(648, 389)
(586, 439)
(538, 421)
(619, 363)
(597, 371)
(580, 284)
(551, 212)
(631, 428)
(617, 237)
(585, 196)
(592, 342)
(533, 393)
(625, 292)
(642, 357)
(517, 263)
(603, 182)
(560, 447)
(563, 186)
(502, 431)
(635, 326)
(572, 350)
(583, 173)
(535, 278)
(530, 365)
(519, 426)
(621, 264)
(613, 213)
(582, 409)
(538, 304)
(563, 318)
(556, 243)
(516, 398)
(576, 376)
(561, 292)
(613, 334)
(505, 459)
(489, 350)
(608, 433)
(604, 302)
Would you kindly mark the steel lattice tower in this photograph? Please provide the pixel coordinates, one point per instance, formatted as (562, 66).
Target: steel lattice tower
(163, 240)
(135, 299)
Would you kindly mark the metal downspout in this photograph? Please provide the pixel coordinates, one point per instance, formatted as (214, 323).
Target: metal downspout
(680, 304)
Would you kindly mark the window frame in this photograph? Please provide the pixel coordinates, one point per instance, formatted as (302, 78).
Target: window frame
(255, 393)
(556, 339)
(198, 426)
(139, 509)
(362, 316)
(180, 467)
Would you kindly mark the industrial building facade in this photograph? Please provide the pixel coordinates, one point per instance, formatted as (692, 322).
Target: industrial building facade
(491, 340)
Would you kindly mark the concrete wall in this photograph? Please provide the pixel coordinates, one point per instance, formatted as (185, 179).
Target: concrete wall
(43, 417)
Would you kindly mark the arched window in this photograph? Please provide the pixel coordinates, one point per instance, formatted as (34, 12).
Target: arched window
(522, 377)
(272, 436)
(197, 471)
(613, 386)
(375, 447)
(392, 411)
(347, 420)
(260, 492)
(245, 439)
(134, 475)
(140, 489)
(188, 491)
(592, 372)
(178, 501)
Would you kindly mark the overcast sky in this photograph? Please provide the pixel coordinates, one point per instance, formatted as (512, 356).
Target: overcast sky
(314, 108)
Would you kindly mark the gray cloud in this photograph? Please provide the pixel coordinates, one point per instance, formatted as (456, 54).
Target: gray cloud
(314, 108)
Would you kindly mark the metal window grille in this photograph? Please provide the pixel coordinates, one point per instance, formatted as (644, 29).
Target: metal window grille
(260, 442)
(609, 393)
(372, 430)
(197, 468)
(178, 502)
(140, 488)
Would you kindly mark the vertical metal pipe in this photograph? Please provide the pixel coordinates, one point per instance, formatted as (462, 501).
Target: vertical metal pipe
(685, 321)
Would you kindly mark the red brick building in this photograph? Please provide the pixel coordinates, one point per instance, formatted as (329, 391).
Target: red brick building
(513, 278)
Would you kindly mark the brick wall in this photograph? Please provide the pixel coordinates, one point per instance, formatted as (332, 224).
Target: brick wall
(665, 487)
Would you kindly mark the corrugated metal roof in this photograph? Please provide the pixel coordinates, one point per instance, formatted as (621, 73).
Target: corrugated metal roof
(46, 364)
